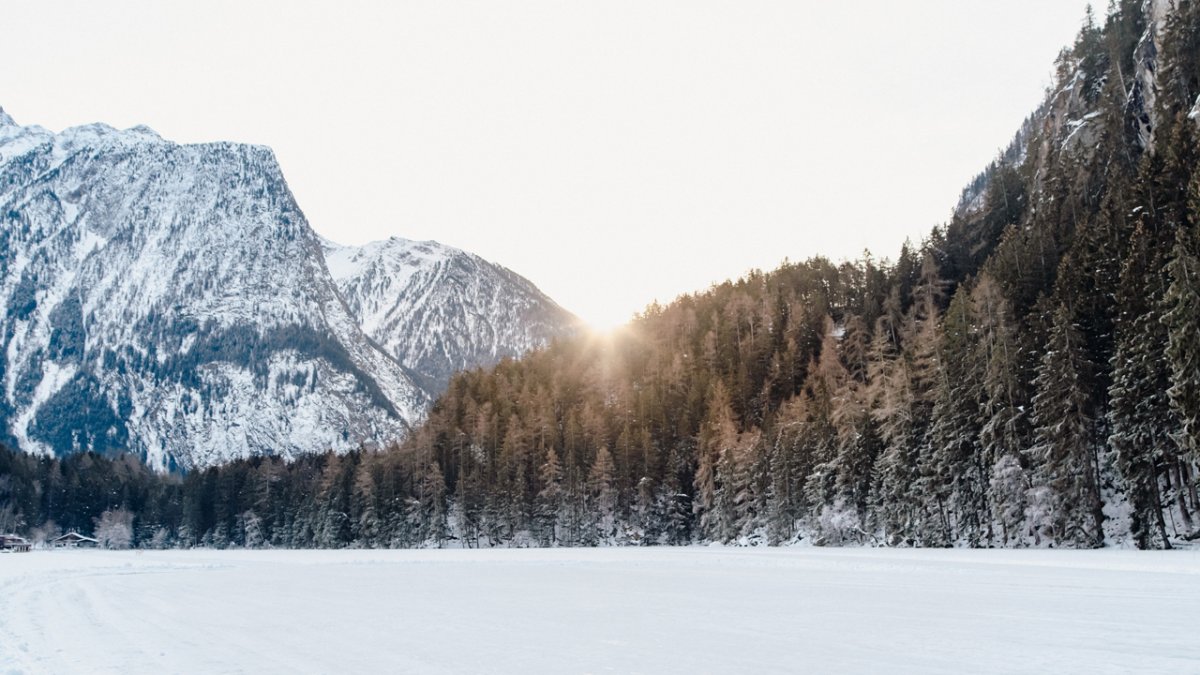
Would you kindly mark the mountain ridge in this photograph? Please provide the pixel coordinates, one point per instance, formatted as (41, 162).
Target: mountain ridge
(398, 288)
(172, 300)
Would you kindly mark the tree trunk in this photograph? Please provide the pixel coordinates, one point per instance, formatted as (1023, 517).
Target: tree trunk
(1181, 495)
(1158, 512)
(1097, 501)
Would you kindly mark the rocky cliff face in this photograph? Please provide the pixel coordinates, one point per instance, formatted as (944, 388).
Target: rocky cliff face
(437, 309)
(1068, 123)
(172, 300)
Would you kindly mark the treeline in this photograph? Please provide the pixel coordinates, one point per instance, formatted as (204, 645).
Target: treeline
(368, 499)
(1027, 376)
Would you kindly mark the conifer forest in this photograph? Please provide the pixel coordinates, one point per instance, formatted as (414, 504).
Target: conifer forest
(1028, 375)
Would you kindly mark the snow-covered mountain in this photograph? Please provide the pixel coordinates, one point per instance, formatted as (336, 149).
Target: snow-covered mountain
(172, 300)
(438, 309)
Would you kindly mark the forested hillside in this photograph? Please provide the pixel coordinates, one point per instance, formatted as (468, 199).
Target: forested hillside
(1028, 375)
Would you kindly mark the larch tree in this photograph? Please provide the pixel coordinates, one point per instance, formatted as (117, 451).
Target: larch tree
(549, 499)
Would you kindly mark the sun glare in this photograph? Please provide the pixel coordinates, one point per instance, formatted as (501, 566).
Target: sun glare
(606, 322)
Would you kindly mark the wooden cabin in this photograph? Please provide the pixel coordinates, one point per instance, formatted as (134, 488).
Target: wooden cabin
(11, 542)
(74, 540)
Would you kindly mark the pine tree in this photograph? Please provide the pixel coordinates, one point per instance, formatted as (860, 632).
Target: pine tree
(1140, 416)
(1182, 319)
(674, 503)
(647, 514)
(1066, 459)
(959, 465)
(749, 484)
(1008, 486)
(787, 457)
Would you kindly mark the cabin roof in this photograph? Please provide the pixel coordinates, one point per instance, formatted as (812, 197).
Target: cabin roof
(75, 536)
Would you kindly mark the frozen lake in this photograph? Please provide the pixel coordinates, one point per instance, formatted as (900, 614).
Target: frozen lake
(697, 610)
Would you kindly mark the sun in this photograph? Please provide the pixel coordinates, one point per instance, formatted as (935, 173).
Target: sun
(605, 321)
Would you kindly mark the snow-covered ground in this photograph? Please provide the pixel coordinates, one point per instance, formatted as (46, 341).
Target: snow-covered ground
(695, 610)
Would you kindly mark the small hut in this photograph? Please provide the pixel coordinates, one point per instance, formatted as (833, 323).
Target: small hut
(74, 540)
(11, 542)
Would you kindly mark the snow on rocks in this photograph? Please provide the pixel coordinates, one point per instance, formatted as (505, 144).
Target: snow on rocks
(438, 309)
(172, 300)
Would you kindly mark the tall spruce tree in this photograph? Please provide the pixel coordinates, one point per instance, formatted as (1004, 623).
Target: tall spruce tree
(1066, 455)
(1140, 416)
(959, 465)
(1182, 319)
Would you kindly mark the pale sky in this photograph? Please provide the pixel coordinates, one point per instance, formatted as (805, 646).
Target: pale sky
(613, 152)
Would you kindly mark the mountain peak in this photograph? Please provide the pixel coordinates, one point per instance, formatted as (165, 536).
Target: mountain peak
(438, 309)
(6, 120)
(130, 245)
(198, 254)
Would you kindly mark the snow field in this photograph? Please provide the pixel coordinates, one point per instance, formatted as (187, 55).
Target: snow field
(627, 610)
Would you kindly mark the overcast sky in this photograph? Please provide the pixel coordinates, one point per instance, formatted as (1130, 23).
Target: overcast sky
(613, 152)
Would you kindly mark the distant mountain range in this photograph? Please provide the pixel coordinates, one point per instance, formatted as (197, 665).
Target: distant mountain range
(439, 310)
(172, 300)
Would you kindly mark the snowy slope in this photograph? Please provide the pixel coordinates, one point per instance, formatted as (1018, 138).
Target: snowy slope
(630, 610)
(438, 309)
(172, 300)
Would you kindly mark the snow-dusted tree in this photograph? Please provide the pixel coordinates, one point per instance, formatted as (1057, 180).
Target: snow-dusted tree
(781, 518)
(746, 468)
(252, 530)
(1140, 415)
(1005, 429)
(1182, 319)
(114, 529)
(846, 480)
(674, 502)
(839, 524)
(647, 515)
(602, 498)
(1007, 487)
(857, 455)
(1041, 514)
(333, 526)
(161, 539)
(959, 467)
(1066, 456)
(716, 444)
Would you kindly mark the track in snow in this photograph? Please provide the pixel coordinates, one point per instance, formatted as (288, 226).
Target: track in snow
(599, 610)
